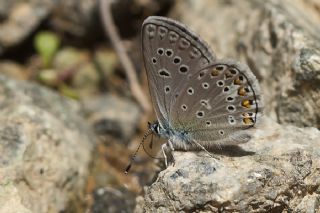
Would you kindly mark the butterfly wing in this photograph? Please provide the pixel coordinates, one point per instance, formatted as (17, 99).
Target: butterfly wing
(217, 104)
(171, 54)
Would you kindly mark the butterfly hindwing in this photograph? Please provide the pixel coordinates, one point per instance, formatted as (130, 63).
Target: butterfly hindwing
(217, 102)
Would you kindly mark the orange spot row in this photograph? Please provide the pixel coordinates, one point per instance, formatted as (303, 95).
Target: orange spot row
(246, 103)
(248, 121)
(242, 91)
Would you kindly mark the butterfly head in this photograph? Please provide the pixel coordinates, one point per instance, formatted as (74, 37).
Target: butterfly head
(154, 127)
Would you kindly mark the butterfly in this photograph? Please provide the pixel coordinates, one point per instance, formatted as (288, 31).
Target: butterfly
(200, 101)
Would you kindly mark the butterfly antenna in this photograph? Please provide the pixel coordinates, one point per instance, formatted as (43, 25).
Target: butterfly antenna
(151, 143)
(136, 152)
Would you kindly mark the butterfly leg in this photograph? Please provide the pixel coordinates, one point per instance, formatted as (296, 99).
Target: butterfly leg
(204, 149)
(163, 148)
(171, 151)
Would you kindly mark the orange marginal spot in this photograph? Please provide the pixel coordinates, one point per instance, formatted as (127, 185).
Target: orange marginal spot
(246, 103)
(248, 121)
(214, 72)
(242, 91)
(237, 81)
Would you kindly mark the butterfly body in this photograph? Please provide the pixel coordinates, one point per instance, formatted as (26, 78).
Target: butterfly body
(179, 138)
(199, 101)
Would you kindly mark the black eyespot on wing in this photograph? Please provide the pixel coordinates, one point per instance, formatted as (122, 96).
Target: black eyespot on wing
(164, 73)
(176, 60)
(160, 51)
(183, 69)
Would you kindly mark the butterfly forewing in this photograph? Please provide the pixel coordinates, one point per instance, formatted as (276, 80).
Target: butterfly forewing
(216, 103)
(172, 54)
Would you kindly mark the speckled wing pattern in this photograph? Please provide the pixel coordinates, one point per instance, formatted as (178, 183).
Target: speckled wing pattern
(194, 94)
(218, 103)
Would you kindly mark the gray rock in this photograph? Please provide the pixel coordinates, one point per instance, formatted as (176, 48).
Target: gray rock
(20, 19)
(45, 148)
(278, 39)
(112, 200)
(112, 115)
(278, 170)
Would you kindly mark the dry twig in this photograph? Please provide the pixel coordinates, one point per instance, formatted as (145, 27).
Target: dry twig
(105, 11)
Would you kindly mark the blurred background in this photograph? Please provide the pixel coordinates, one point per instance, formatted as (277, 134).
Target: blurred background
(100, 105)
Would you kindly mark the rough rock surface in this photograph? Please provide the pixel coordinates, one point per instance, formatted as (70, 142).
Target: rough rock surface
(18, 19)
(112, 200)
(278, 39)
(45, 148)
(112, 115)
(277, 171)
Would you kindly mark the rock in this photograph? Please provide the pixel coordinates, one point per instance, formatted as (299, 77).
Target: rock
(69, 59)
(113, 200)
(106, 60)
(86, 81)
(309, 204)
(75, 17)
(277, 171)
(12, 70)
(113, 115)
(20, 20)
(278, 39)
(77, 76)
(45, 148)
